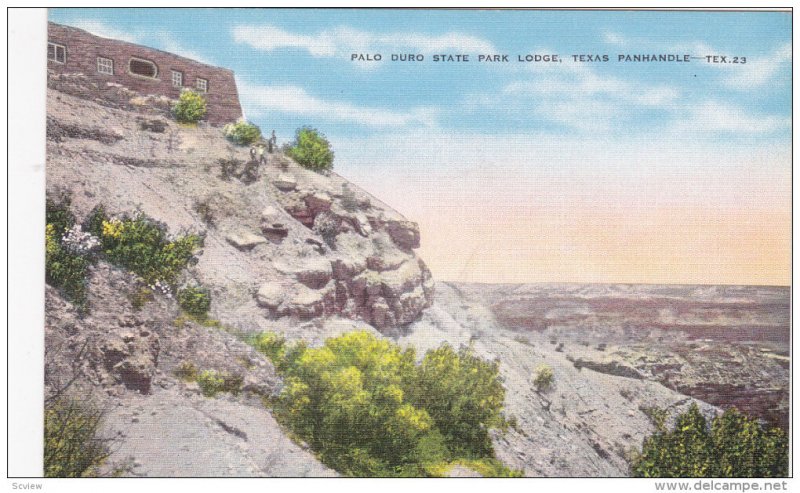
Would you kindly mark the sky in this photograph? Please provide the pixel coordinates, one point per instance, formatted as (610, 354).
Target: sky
(569, 171)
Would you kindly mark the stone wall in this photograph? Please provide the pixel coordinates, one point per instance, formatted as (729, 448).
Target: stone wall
(83, 49)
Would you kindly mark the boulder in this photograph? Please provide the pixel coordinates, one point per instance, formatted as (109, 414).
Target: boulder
(245, 240)
(314, 272)
(317, 245)
(382, 316)
(410, 304)
(386, 261)
(271, 215)
(347, 268)
(306, 303)
(405, 278)
(318, 202)
(270, 295)
(274, 232)
(361, 224)
(128, 357)
(285, 183)
(404, 233)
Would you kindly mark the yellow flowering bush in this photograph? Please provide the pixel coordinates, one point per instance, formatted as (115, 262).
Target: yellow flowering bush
(112, 228)
(369, 409)
(142, 245)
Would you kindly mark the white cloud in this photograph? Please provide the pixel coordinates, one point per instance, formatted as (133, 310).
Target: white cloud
(758, 70)
(615, 39)
(573, 94)
(343, 41)
(105, 31)
(294, 100)
(717, 116)
(162, 40)
(167, 42)
(270, 38)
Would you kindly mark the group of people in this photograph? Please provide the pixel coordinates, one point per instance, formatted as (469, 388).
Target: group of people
(257, 151)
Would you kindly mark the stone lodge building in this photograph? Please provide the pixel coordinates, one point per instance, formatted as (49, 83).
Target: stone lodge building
(142, 69)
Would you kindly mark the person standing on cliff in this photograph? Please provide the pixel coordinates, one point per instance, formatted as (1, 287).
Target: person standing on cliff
(253, 153)
(273, 141)
(262, 159)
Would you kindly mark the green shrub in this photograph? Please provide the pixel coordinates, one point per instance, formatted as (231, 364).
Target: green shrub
(186, 371)
(311, 149)
(242, 132)
(190, 108)
(543, 378)
(734, 445)
(368, 409)
(143, 246)
(656, 415)
(272, 345)
(72, 448)
(65, 268)
(463, 395)
(57, 213)
(212, 382)
(196, 301)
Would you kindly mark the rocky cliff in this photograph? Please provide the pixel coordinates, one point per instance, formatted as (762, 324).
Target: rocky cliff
(283, 242)
(285, 249)
(292, 251)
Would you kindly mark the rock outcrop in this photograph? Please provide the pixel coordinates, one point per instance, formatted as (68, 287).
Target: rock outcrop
(333, 249)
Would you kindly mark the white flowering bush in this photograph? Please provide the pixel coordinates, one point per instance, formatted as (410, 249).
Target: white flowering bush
(161, 287)
(79, 242)
(66, 264)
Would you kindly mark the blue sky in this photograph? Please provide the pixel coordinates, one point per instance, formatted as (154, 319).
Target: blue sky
(306, 53)
(458, 140)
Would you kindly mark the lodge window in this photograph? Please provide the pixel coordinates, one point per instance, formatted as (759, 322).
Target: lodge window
(105, 65)
(177, 78)
(145, 68)
(202, 85)
(57, 52)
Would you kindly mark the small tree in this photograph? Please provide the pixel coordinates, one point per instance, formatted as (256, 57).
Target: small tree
(543, 379)
(311, 149)
(190, 108)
